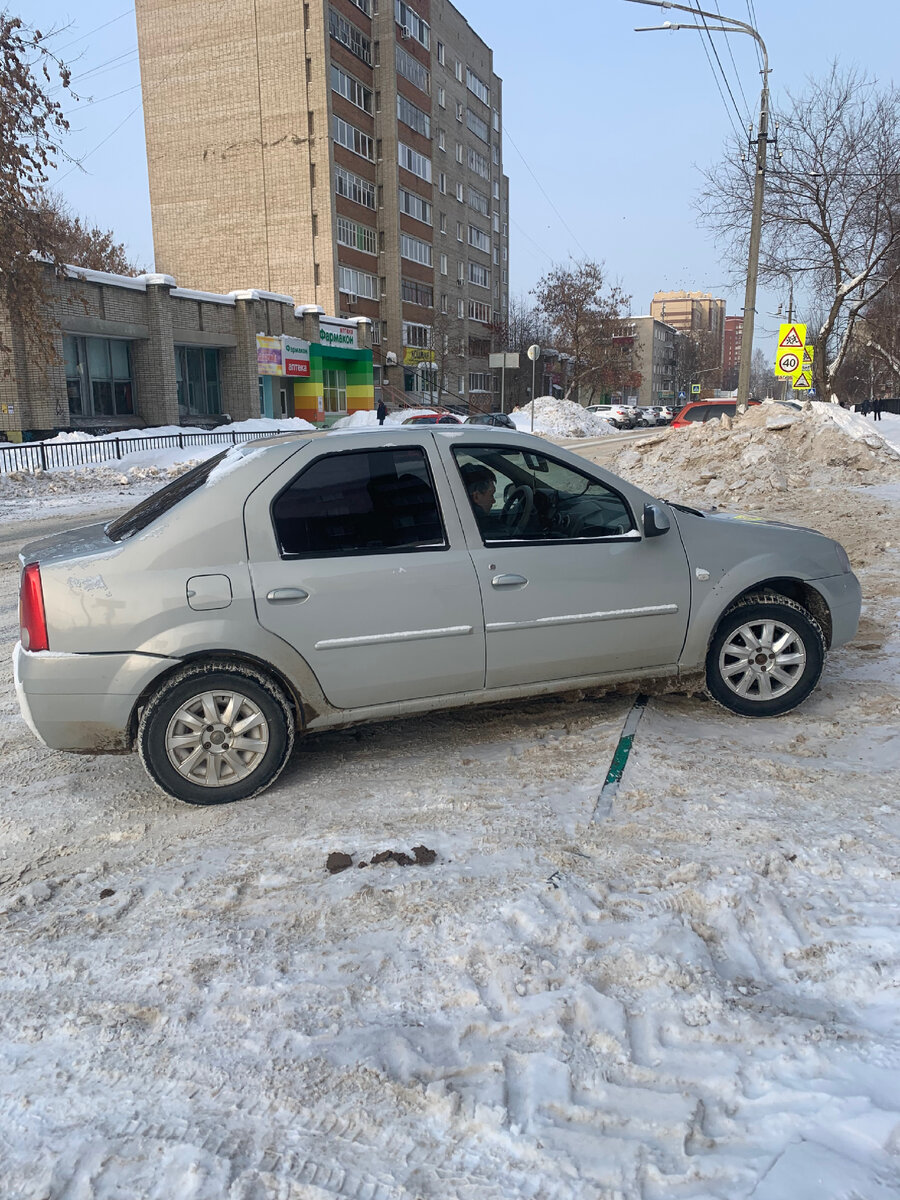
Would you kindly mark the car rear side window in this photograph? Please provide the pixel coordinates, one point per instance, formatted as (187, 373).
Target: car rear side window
(160, 502)
(361, 502)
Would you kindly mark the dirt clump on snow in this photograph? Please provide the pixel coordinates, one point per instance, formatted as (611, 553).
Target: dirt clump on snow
(802, 466)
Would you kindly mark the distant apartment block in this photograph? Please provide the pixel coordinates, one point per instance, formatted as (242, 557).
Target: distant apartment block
(734, 337)
(345, 152)
(698, 314)
(653, 353)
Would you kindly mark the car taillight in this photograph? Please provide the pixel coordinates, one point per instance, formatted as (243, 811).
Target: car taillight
(32, 619)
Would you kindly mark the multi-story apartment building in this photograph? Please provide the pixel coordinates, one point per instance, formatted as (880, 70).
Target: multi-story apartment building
(731, 361)
(347, 152)
(698, 315)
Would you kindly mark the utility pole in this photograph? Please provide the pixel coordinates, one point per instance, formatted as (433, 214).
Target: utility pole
(735, 26)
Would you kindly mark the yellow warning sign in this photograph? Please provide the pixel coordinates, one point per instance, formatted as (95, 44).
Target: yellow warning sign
(803, 382)
(788, 362)
(809, 354)
(791, 337)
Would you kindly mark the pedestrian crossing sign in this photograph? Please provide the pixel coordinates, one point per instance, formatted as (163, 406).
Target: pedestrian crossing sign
(791, 336)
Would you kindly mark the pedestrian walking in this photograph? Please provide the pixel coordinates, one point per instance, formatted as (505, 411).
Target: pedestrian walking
(864, 408)
(381, 412)
(876, 409)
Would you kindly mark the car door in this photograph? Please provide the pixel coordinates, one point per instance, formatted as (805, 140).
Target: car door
(589, 595)
(356, 563)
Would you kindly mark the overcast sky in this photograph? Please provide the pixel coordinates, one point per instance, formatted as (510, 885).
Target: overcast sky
(605, 128)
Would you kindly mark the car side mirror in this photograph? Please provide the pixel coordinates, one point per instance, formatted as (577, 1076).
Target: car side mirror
(656, 520)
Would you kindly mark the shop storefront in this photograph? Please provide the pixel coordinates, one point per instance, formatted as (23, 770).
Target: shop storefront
(319, 381)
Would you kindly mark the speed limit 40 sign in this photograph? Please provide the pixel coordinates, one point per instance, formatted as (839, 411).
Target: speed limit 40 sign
(788, 362)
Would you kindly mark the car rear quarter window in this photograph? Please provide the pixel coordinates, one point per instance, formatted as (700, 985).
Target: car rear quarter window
(360, 502)
(161, 502)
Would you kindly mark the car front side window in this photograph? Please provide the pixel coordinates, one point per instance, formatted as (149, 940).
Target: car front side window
(527, 497)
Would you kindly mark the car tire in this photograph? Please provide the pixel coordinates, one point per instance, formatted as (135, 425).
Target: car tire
(766, 656)
(200, 760)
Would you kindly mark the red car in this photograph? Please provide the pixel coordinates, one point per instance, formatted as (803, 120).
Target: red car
(433, 419)
(705, 410)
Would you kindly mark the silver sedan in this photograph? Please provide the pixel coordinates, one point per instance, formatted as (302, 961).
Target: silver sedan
(317, 580)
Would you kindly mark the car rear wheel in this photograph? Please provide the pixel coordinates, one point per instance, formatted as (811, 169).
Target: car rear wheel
(766, 657)
(216, 732)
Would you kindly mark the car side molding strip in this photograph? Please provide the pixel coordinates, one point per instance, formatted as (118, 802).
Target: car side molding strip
(405, 635)
(656, 610)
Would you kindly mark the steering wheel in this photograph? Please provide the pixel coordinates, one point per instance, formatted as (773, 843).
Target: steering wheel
(518, 507)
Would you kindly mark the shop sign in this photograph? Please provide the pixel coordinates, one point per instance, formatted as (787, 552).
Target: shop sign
(334, 332)
(413, 355)
(295, 356)
(268, 355)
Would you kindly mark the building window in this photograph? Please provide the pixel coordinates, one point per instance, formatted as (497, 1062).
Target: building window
(357, 283)
(351, 89)
(415, 249)
(461, 309)
(479, 347)
(479, 239)
(363, 6)
(353, 187)
(478, 201)
(479, 275)
(441, 53)
(412, 291)
(410, 68)
(459, 110)
(479, 164)
(354, 139)
(480, 312)
(358, 237)
(416, 206)
(458, 70)
(481, 381)
(478, 127)
(477, 87)
(98, 376)
(459, 231)
(407, 18)
(444, 302)
(417, 335)
(495, 154)
(197, 377)
(443, 222)
(443, 264)
(442, 183)
(496, 119)
(442, 98)
(417, 163)
(348, 35)
(461, 385)
(414, 117)
(442, 140)
(334, 388)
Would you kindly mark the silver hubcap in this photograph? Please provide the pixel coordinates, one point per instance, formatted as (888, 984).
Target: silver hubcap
(217, 738)
(762, 660)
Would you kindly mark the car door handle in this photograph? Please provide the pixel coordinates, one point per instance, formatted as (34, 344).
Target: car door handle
(286, 595)
(500, 581)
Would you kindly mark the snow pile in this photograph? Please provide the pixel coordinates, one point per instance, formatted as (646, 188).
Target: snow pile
(770, 449)
(560, 418)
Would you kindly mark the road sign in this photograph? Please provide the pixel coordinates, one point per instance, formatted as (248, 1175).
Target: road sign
(508, 362)
(533, 352)
(682, 396)
(809, 354)
(791, 337)
(803, 382)
(788, 362)
(695, 389)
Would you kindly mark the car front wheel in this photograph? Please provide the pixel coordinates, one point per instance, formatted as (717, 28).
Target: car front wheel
(766, 656)
(216, 732)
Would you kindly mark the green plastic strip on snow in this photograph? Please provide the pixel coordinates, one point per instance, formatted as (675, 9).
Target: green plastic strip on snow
(619, 760)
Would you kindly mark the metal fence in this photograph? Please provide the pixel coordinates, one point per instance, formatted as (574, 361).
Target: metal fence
(28, 456)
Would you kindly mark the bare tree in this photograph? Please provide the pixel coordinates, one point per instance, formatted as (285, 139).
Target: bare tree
(527, 326)
(832, 218)
(585, 314)
(80, 243)
(32, 125)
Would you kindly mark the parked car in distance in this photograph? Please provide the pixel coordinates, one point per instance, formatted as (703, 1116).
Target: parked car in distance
(658, 414)
(618, 415)
(498, 420)
(312, 581)
(433, 419)
(706, 410)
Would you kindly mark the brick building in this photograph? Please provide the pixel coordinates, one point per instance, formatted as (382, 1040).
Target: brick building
(133, 351)
(734, 338)
(697, 314)
(342, 150)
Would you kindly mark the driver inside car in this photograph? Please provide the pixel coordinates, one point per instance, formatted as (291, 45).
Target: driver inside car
(481, 487)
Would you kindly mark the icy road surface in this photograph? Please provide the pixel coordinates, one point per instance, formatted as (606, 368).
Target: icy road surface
(696, 997)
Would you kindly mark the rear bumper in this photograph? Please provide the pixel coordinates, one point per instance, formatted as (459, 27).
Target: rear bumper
(83, 702)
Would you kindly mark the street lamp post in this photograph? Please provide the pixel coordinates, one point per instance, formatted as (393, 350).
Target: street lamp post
(735, 26)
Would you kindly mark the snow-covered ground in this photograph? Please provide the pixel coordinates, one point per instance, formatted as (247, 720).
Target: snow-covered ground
(691, 995)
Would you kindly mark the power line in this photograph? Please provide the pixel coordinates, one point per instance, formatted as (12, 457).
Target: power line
(96, 29)
(751, 12)
(721, 93)
(80, 161)
(101, 99)
(737, 73)
(562, 220)
(529, 238)
(718, 60)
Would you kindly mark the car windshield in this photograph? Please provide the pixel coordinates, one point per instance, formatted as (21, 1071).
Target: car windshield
(160, 502)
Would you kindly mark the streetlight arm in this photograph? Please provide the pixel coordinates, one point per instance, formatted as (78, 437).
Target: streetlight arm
(733, 24)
